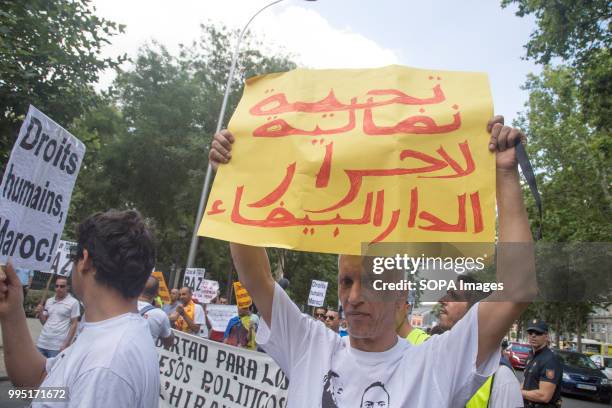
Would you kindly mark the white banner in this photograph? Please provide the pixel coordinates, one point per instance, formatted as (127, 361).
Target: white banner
(62, 264)
(35, 191)
(193, 279)
(196, 372)
(209, 289)
(220, 315)
(318, 289)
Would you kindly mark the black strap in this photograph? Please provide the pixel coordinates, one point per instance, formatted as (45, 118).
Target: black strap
(146, 309)
(527, 170)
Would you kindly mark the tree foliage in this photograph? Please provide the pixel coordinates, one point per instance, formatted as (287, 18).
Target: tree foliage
(50, 53)
(568, 120)
(148, 147)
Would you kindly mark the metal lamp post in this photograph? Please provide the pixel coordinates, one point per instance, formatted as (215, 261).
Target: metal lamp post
(209, 171)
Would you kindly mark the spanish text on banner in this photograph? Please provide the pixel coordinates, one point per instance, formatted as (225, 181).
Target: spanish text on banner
(201, 373)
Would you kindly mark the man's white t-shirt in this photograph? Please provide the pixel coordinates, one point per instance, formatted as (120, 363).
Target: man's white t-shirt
(159, 323)
(200, 315)
(506, 390)
(325, 371)
(56, 328)
(112, 363)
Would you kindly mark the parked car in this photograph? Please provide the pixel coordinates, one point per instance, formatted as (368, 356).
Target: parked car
(582, 377)
(517, 354)
(604, 363)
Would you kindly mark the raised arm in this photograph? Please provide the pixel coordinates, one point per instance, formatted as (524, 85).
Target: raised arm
(25, 366)
(515, 252)
(251, 263)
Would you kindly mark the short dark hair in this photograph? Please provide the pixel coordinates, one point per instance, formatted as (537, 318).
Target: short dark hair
(121, 248)
(58, 277)
(151, 287)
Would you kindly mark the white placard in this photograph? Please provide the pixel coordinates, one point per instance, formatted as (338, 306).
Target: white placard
(36, 190)
(193, 278)
(220, 315)
(209, 289)
(196, 372)
(318, 289)
(62, 264)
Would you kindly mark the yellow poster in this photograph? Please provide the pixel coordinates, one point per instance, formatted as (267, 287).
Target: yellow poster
(325, 160)
(243, 299)
(164, 293)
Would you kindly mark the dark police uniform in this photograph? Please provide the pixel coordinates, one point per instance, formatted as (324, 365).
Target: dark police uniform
(544, 365)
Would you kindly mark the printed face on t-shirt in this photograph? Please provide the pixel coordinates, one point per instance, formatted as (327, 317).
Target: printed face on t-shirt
(375, 396)
(368, 314)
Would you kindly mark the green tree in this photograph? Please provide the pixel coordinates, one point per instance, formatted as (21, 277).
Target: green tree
(568, 119)
(50, 57)
(576, 33)
(151, 151)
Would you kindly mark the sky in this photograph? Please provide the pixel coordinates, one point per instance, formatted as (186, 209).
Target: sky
(466, 35)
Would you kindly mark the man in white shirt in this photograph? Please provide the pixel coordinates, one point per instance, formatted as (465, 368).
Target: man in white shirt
(59, 317)
(158, 321)
(502, 389)
(189, 316)
(373, 365)
(110, 363)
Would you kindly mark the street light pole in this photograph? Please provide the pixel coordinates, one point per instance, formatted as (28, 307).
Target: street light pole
(209, 171)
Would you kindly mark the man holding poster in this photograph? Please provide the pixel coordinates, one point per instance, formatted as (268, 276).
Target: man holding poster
(372, 363)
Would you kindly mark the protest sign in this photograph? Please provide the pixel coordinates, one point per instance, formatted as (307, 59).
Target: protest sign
(163, 292)
(36, 190)
(196, 372)
(193, 278)
(209, 289)
(393, 154)
(243, 299)
(318, 289)
(62, 263)
(220, 315)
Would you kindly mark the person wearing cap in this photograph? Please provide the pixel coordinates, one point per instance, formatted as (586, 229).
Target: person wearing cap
(543, 371)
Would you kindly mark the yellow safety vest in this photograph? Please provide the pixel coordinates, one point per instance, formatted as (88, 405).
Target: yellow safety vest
(416, 336)
(481, 398)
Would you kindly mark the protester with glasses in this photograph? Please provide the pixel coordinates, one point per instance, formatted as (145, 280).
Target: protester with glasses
(60, 318)
(332, 320)
(319, 313)
(543, 371)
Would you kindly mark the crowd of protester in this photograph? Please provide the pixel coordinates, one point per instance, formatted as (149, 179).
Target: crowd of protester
(348, 357)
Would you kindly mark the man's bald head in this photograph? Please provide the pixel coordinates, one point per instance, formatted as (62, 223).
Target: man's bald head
(151, 288)
(185, 295)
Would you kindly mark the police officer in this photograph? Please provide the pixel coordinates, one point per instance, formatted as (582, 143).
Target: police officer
(543, 371)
